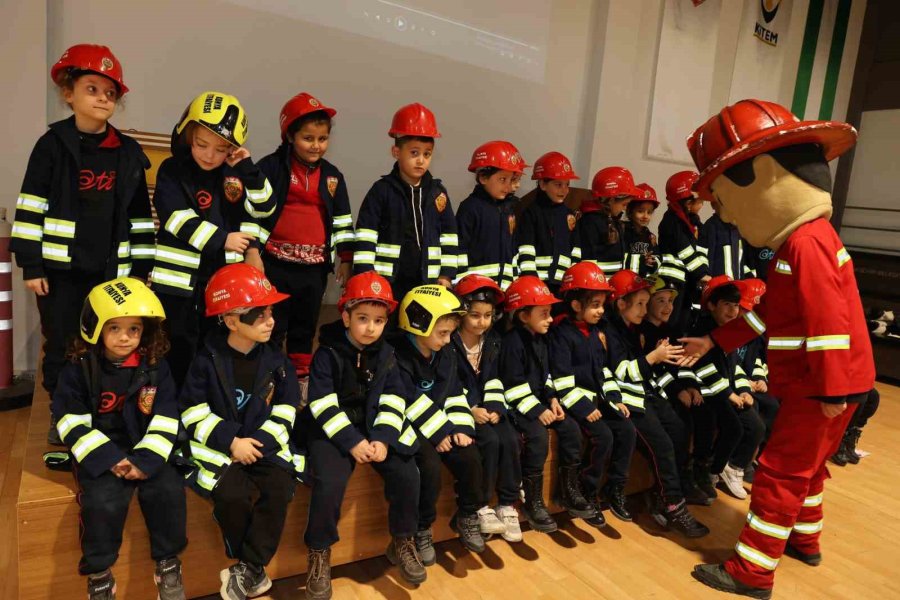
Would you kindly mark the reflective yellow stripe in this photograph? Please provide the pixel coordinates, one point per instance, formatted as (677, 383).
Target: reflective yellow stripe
(389, 418)
(156, 443)
(87, 444)
(318, 406)
(828, 342)
(813, 500)
(809, 528)
(843, 257)
(27, 231)
(785, 343)
(782, 266)
(178, 218)
(756, 557)
(195, 414)
(164, 424)
(32, 203)
(59, 228)
(770, 529)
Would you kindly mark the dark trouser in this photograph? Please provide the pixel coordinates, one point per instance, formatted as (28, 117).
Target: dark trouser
(296, 318)
(740, 433)
(186, 325)
(622, 449)
(251, 530)
(104, 504)
(465, 465)
(537, 443)
(331, 470)
(662, 440)
(700, 424)
(499, 448)
(60, 312)
(866, 409)
(767, 406)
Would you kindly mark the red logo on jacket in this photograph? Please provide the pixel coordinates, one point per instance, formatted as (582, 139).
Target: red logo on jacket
(204, 199)
(110, 402)
(102, 182)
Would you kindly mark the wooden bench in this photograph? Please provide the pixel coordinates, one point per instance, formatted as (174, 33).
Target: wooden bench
(49, 548)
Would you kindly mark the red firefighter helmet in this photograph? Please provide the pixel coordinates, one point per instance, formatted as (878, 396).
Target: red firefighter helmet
(627, 282)
(298, 106)
(553, 165)
(475, 285)
(499, 154)
(712, 285)
(414, 120)
(585, 275)
(614, 181)
(751, 290)
(526, 291)
(90, 57)
(367, 287)
(752, 127)
(648, 194)
(681, 185)
(239, 286)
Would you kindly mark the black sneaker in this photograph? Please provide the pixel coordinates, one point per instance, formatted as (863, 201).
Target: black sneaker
(402, 553)
(695, 495)
(716, 577)
(168, 579)
(234, 582)
(682, 521)
(318, 574)
(813, 559)
(469, 530)
(618, 505)
(101, 586)
(703, 479)
(425, 547)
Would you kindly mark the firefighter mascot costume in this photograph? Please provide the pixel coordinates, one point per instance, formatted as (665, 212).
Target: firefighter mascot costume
(768, 173)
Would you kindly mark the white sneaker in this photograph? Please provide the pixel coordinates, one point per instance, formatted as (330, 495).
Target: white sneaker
(510, 518)
(733, 479)
(488, 521)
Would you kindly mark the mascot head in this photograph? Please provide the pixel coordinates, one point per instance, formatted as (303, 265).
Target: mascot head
(765, 170)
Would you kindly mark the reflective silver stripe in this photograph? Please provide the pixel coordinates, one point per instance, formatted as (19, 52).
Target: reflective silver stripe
(771, 529)
(756, 557)
(828, 342)
(87, 444)
(32, 203)
(164, 424)
(785, 343)
(318, 406)
(808, 528)
(70, 422)
(155, 443)
(815, 500)
(195, 414)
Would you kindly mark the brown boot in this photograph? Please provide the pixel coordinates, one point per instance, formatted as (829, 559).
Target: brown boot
(402, 552)
(318, 574)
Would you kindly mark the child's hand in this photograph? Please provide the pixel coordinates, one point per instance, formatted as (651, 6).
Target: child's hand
(747, 398)
(665, 352)
(684, 397)
(462, 440)
(445, 282)
(495, 417)
(121, 468)
(481, 415)
(344, 271)
(244, 450)
(135, 474)
(696, 396)
(736, 400)
(362, 452)
(594, 416)
(379, 452)
(252, 258)
(832, 410)
(237, 242)
(762, 387)
(445, 446)
(546, 418)
(39, 286)
(624, 409)
(557, 409)
(237, 156)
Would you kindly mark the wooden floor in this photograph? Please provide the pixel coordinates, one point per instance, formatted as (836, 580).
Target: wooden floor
(627, 560)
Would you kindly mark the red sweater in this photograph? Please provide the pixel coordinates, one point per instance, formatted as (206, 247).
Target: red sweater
(302, 219)
(813, 318)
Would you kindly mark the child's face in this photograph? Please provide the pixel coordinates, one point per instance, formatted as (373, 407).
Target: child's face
(537, 320)
(515, 183)
(499, 185)
(591, 311)
(365, 323)
(256, 325)
(660, 306)
(479, 318)
(121, 336)
(440, 335)
(642, 212)
(413, 159)
(617, 205)
(93, 98)
(208, 150)
(556, 189)
(724, 311)
(633, 308)
(693, 204)
(311, 142)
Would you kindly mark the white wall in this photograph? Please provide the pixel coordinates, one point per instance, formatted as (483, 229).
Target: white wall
(593, 102)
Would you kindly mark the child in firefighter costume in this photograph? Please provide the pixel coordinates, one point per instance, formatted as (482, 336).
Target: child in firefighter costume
(768, 172)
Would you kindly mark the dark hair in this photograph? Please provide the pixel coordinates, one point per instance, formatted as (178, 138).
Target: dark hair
(584, 297)
(318, 117)
(632, 206)
(154, 343)
(66, 79)
(486, 295)
(404, 139)
(356, 305)
(805, 161)
(725, 293)
(485, 172)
